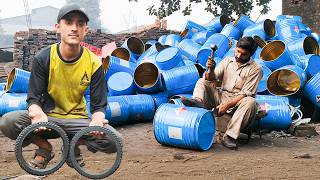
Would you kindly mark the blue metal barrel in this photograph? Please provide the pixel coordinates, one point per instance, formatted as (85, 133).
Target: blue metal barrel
(162, 39)
(113, 64)
(304, 46)
(141, 107)
(243, 22)
(202, 36)
(311, 64)
(312, 90)
(190, 28)
(283, 17)
(124, 54)
(266, 98)
(286, 80)
(12, 102)
(173, 40)
(18, 81)
(2, 86)
(221, 41)
(262, 86)
(231, 31)
(147, 78)
(189, 49)
(117, 111)
(181, 80)
(135, 46)
(288, 30)
(275, 55)
(176, 101)
(149, 43)
(218, 23)
(264, 29)
(278, 115)
(304, 29)
(315, 36)
(185, 127)
(160, 98)
(121, 83)
(150, 54)
(232, 45)
(168, 58)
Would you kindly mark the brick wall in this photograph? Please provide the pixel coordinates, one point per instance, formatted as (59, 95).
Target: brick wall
(309, 10)
(26, 46)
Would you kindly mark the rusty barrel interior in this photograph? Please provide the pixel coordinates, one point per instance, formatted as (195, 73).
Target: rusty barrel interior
(10, 80)
(135, 45)
(106, 63)
(272, 50)
(310, 45)
(269, 28)
(283, 82)
(146, 75)
(122, 53)
(261, 43)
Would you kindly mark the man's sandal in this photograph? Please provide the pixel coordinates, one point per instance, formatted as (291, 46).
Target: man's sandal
(78, 158)
(42, 164)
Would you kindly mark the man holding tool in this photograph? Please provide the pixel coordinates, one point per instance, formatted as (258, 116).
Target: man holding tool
(239, 77)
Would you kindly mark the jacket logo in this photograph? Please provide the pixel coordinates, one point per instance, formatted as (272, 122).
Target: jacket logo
(85, 80)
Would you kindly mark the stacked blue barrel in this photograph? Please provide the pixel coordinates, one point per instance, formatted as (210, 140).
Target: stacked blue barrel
(146, 79)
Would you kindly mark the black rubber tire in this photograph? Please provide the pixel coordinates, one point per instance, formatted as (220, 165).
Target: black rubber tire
(113, 137)
(25, 132)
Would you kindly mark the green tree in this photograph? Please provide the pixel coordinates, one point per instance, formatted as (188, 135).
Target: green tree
(216, 7)
(92, 8)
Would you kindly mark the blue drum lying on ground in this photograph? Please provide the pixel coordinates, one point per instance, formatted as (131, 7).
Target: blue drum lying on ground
(185, 127)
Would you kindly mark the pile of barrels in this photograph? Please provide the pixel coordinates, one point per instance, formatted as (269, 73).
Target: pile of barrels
(146, 79)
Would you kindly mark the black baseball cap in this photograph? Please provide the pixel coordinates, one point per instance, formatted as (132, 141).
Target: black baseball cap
(71, 8)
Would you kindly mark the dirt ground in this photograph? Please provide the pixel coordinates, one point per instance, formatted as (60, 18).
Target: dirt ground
(272, 157)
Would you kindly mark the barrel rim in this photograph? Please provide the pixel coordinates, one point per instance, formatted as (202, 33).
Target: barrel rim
(275, 73)
(144, 64)
(270, 44)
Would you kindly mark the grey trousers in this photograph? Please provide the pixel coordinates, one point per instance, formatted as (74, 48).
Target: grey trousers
(13, 123)
(243, 116)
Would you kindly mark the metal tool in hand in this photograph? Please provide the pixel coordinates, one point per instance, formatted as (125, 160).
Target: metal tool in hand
(211, 57)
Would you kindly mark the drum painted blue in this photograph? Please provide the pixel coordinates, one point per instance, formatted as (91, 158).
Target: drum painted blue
(113, 64)
(12, 102)
(173, 40)
(160, 98)
(180, 80)
(218, 23)
(18, 81)
(231, 31)
(135, 46)
(288, 30)
(117, 112)
(190, 28)
(162, 39)
(278, 115)
(147, 78)
(243, 22)
(221, 41)
(202, 36)
(304, 46)
(262, 86)
(168, 58)
(186, 127)
(189, 49)
(312, 90)
(121, 83)
(311, 64)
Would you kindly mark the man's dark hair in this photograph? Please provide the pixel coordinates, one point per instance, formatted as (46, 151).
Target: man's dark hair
(248, 44)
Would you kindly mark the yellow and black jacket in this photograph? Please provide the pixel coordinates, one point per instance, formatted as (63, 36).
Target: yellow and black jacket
(58, 86)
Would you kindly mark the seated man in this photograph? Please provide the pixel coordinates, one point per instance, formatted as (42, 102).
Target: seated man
(60, 75)
(239, 77)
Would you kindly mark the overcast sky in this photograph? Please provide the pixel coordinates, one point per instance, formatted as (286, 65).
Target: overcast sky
(118, 15)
